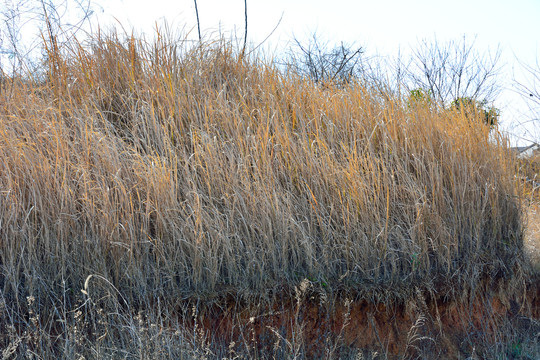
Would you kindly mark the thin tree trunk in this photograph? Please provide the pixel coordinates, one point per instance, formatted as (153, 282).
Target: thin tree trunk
(198, 22)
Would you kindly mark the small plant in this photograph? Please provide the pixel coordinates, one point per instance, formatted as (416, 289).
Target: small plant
(419, 97)
(471, 107)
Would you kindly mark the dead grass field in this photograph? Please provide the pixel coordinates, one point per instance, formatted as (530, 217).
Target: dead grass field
(151, 192)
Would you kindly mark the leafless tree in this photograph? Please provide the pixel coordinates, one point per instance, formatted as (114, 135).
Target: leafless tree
(324, 63)
(529, 90)
(454, 70)
(24, 24)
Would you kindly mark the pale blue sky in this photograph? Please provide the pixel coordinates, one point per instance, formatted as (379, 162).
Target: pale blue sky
(382, 27)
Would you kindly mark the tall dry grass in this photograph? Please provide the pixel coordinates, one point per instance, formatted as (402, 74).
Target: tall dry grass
(150, 173)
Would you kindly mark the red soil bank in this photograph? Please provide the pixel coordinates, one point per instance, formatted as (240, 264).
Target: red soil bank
(444, 329)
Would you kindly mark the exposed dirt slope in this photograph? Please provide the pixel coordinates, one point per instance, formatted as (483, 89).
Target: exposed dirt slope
(427, 327)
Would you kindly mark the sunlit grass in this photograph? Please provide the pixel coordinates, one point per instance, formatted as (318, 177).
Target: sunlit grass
(170, 172)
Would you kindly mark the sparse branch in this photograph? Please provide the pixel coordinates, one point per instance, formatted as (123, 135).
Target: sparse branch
(322, 63)
(530, 93)
(270, 34)
(530, 90)
(454, 70)
(59, 20)
(198, 22)
(245, 26)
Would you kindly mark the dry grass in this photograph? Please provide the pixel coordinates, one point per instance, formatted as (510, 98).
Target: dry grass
(532, 234)
(148, 174)
(529, 173)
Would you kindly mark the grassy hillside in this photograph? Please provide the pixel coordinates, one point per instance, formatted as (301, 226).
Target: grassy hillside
(146, 174)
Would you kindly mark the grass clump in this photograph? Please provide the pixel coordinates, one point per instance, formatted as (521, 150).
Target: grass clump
(147, 173)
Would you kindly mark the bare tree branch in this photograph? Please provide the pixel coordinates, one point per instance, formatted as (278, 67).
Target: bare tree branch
(58, 19)
(454, 70)
(530, 93)
(322, 63)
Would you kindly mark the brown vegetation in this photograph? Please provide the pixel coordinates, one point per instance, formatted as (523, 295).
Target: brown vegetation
(141, 181)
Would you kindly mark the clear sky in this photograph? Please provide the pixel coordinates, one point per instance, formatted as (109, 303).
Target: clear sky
(381, 26)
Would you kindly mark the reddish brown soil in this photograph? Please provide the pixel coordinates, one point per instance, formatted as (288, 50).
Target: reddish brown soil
(442, 328)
